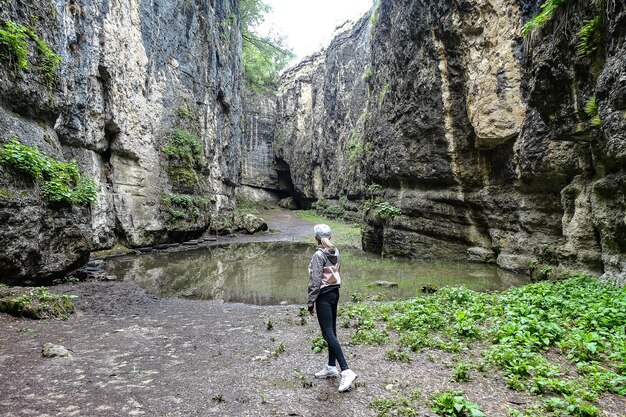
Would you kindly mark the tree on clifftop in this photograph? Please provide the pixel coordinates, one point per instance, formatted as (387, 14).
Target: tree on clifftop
(263, 56)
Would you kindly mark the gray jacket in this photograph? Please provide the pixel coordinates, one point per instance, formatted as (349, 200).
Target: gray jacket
(321, 272)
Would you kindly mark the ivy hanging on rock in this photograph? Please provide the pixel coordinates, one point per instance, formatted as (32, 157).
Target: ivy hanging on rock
(61, 181)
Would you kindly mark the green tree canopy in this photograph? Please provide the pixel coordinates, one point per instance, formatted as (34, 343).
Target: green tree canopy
(263, 56)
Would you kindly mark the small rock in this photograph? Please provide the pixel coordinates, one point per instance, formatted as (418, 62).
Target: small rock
(54, 351)
(386, 284)
(288, 203)
(429, 289)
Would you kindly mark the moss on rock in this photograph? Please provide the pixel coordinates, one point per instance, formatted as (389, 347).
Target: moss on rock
(35, 303)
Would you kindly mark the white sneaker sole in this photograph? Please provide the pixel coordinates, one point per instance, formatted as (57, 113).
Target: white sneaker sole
(350, 387)
(326, 376)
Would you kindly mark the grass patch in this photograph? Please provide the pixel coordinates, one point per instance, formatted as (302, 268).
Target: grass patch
(344, 234)
(35, 303)
(580, 321)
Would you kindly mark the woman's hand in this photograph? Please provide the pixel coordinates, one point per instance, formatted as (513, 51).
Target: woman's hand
(312, 312)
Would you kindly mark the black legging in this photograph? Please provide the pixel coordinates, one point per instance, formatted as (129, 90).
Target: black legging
(326, 306)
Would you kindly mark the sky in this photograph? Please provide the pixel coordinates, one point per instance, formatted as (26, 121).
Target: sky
(308, 25)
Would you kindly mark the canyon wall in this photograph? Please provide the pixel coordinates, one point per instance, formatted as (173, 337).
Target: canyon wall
(137, 78)
(475, 142)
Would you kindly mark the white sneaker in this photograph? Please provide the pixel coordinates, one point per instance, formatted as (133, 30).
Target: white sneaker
(347, 378)
(327, 372)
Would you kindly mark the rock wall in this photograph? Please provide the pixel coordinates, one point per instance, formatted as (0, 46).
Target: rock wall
(133, 72)
(321, 117)
(477, 135)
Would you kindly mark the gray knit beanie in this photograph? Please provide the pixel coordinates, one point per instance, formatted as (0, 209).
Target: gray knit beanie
(322, 231)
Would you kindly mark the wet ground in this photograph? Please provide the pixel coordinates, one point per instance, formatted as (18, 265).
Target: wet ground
(137, 354)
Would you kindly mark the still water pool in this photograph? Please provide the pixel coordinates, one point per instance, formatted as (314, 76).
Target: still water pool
(277, 272)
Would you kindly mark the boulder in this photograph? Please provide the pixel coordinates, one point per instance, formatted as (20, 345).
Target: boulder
(288, 203)
(50, 350)
(250, 223)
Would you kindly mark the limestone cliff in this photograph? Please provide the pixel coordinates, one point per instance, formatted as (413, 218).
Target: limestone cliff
(139, 81)
(477, 136)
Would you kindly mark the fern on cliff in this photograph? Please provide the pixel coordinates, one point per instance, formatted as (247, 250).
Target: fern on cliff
(548, 9)
(591, 108)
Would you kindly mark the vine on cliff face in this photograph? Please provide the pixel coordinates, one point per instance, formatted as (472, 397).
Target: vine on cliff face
(62, 182)
(14, 49)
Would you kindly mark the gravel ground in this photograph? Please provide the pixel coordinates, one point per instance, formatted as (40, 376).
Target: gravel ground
(133, 353)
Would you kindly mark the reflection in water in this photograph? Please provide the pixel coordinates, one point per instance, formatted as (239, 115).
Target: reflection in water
(270, 273)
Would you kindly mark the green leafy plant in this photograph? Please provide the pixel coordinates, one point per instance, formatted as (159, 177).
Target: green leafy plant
(184, 113)
(399, 356)
(185, 147)
(461, 372)
(14, 48)
(591, 108)
(319, 344)
(269, 325)
(588, 36)
(548, 9)
(386, 210)
(280, 348)
(453, 404)
(13, 44)
(62, 182)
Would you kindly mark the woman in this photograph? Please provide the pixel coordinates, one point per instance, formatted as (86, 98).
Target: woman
(324, 282)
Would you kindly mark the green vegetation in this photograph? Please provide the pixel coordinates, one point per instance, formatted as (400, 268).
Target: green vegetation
(453, 404)
(319, 344)
(386, 210)
(263, 56)
(548, 8)
(368, 73)
(62, 182)
(383, 94)
(399, 356)
(374, 19)
(461, 372)
(184, 113)
(588, 35)
(343, 234)
(183, 177)
(279, 349)
(564, 340)
(14, 49)
(591, 108)
(376, 207)
(398, 405)
(184, 147)
(184, 206)
(35, 303)
(333, 211)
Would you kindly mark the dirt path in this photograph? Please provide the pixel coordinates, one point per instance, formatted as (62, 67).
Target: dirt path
(137, 354)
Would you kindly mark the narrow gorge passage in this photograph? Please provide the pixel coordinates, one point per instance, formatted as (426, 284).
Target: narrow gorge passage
(163, 162)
